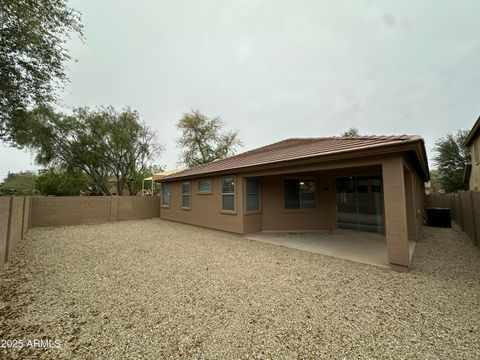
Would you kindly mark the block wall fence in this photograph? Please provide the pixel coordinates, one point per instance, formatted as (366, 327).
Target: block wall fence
(464, 209)
(19, 214)
(14, 224)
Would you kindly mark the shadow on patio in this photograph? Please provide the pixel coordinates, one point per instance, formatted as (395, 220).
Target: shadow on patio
(362, 247)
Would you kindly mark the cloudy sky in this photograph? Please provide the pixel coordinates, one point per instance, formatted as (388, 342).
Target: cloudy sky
(277, 69)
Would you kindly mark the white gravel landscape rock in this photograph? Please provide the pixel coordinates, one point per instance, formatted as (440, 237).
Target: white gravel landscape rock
(155, 289)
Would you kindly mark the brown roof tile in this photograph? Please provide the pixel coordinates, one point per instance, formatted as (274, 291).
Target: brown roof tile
(293, 149)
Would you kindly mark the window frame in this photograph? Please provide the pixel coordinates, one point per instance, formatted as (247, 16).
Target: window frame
(316, 208)
(205, 192)
(234, 211)
(187, 194)
(162, 193)
(259, 210)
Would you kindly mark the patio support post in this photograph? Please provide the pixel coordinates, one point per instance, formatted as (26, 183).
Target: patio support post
(396, 226)
(411, 208)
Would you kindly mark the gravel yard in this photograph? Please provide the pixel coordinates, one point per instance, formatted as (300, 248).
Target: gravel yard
(157, 290)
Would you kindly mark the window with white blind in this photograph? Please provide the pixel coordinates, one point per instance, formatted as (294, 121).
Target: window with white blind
(186, 194)
(228, 193)
(253, 194)
(299, 194)
(204, 186)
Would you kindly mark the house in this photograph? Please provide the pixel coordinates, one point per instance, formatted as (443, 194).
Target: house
(472, 169)
(365, 184)
(155, 178)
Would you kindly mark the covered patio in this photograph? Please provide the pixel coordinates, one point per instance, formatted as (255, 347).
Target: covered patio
(362, 247)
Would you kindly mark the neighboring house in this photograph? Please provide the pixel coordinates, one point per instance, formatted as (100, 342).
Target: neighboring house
(155, 178)
(472, 169)
(365, 183)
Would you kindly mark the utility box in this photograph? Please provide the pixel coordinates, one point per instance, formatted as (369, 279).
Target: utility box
(439, 217)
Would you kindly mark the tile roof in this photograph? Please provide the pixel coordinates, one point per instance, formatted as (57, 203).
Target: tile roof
(293, 149)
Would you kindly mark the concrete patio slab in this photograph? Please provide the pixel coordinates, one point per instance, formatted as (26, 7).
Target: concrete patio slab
(367, 248)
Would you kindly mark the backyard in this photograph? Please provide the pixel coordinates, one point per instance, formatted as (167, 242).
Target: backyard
(155, 289)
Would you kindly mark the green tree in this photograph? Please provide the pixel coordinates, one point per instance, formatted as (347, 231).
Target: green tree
(435, 183)
(156, 168)
(104, 144)
(203, 139)
(60, 182)
(450, 159)
(146, 173)
(33, 34)
(352, 132)
(22, 183)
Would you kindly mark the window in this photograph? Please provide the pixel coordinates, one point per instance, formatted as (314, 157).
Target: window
(204, 186)
(166, 194)
(228, 193)
(253, 195)
(185, 194)
(299, 194)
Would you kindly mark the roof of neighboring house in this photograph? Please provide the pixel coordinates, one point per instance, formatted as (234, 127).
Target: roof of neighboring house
(301, 148)
(161, 175)
(473, 133)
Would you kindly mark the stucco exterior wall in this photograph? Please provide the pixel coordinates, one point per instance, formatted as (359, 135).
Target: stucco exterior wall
(474, 181)
(415, 197)
(396, 223)
(205, 209)
(420, 200)
(252, 223)
(276, 217)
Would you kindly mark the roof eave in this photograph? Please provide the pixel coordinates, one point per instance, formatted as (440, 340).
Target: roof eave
(411, 144)
(471, 135)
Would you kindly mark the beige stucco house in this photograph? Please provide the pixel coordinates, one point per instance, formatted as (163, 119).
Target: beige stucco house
(472, 170)
(366, 183)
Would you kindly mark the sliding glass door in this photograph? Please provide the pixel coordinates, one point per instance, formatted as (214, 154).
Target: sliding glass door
(359, 203)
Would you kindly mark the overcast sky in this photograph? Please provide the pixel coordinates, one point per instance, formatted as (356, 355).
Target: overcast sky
(279, 69)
